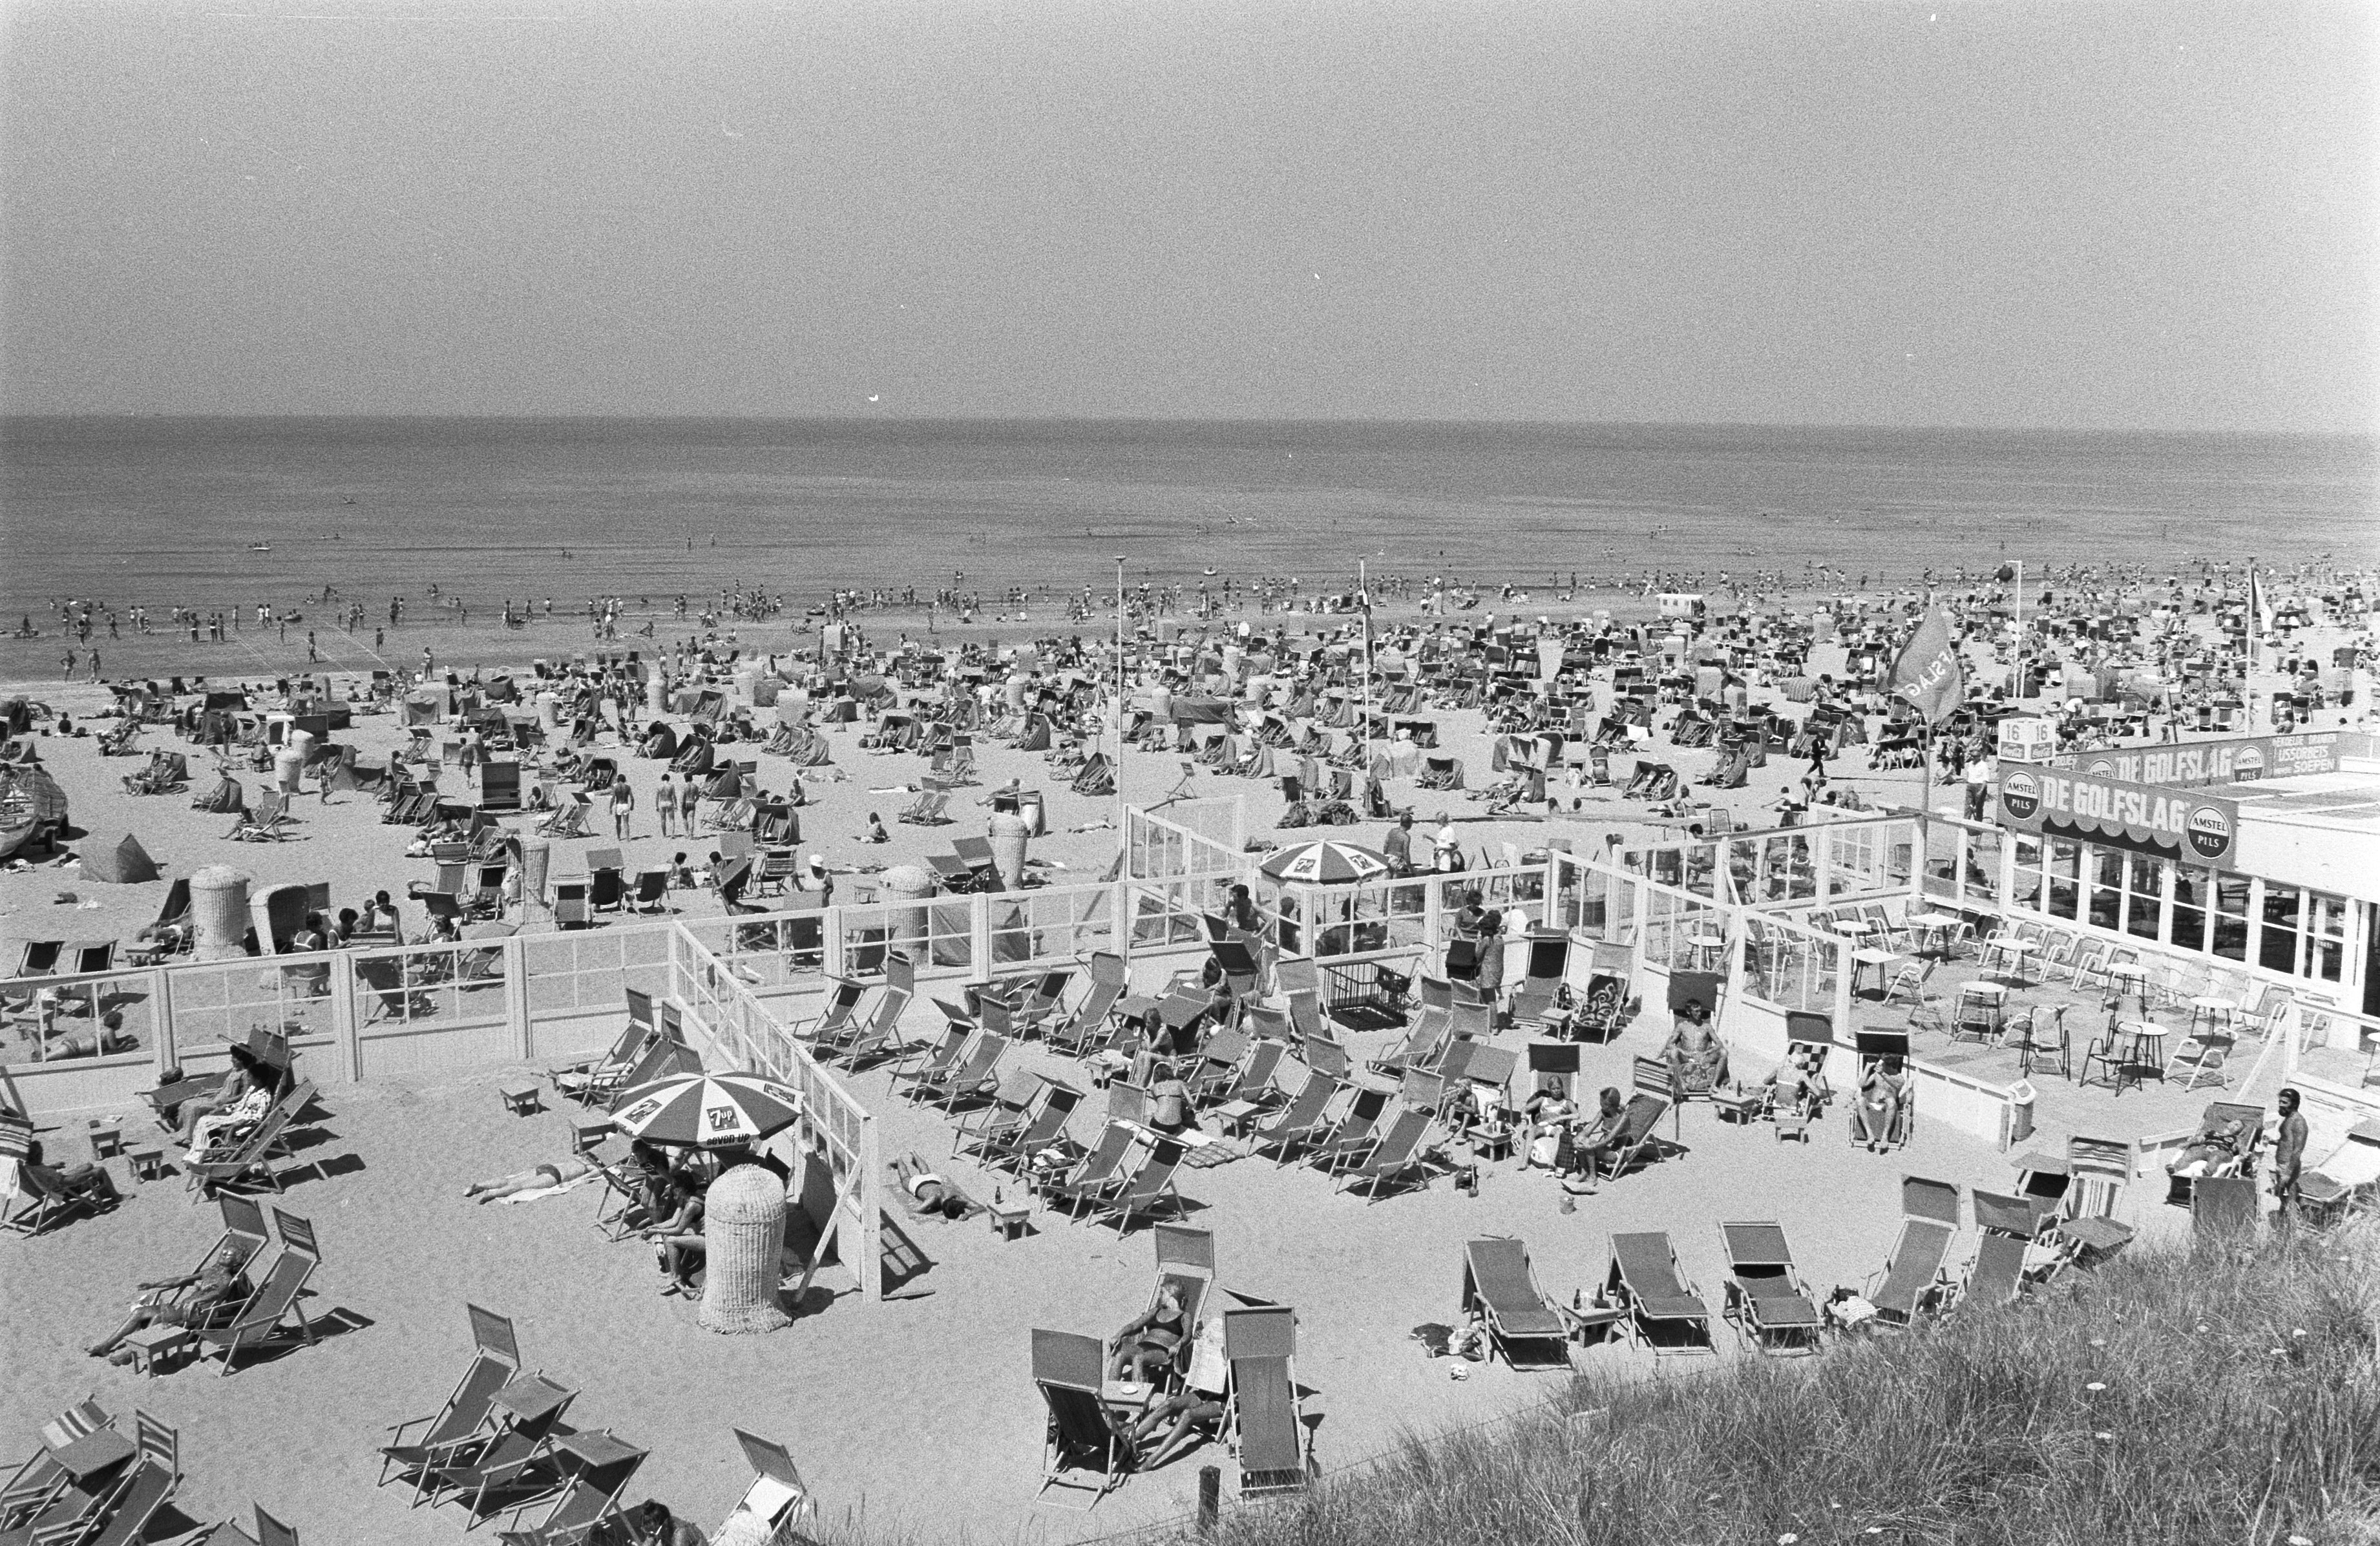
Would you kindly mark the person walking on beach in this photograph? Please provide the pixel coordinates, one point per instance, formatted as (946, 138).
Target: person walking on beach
(689, 798)
(624, 804)
(665, 806)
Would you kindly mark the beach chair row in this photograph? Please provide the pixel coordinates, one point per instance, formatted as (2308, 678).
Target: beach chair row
(88, 1483)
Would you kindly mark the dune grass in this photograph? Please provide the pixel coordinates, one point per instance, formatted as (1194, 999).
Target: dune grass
(2193, 1395)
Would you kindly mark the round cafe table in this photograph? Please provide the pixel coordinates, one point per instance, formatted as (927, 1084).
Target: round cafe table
(1932, 931)
(1708, 948)
(2146, 1055)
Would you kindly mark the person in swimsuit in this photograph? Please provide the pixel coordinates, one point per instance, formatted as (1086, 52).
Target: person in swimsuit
(1149, 1340)
(1697, 1059)
(551, 1173)
(220, 1284)
(1198, 1404)
(923, 1192)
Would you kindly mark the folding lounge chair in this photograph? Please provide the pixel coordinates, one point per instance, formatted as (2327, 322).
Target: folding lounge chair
(2349, 1175)
(41, 1480)
(589, 1078)
(530, 1410)
(574, 1516)
(1149, 1187)
(1109, 978)
(275, 1300)
(124, 1515)
(1523, 1324)
(1908, 1283)
(470, 1406)
(1044, 1123)
(46, 1205)
(1302, 1122)
(936, 1055)
(777, 1495)
(1084, 1444)
(1664, 1310)
(1638, 1136)
(244, 1229)
(880, 1034)
(1356, 1133)
(1764, 1298)
(974, 1076)
(1262, 1412)
(2247, 1139)
(251, 1157)
(1185, 1263)
(1396, 1156)
(1097, 1174)
(2007, 1228)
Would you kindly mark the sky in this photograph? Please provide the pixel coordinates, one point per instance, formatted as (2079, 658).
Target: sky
(2070, 216)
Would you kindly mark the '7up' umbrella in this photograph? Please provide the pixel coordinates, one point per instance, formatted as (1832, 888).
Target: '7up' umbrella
(1327, 861)
(706, 1111)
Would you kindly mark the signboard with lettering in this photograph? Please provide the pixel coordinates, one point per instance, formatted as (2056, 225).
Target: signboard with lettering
(2171, 824)
(2195, 764)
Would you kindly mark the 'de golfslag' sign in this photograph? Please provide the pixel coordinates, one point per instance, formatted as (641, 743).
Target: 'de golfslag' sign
(2237, 760)
(2176, 824)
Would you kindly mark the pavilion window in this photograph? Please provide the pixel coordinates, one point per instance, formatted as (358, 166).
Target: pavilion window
(2144, 888)
(2276, 942)
(2231, 939)
(2065, 878)
(2326, 924)
(2107, 888)
(2191, 891)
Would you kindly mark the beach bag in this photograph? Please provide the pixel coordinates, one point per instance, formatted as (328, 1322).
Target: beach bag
(1463, 958)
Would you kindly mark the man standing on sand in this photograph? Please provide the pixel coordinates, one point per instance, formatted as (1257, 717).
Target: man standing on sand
(2289, 1159)
(1397, 847)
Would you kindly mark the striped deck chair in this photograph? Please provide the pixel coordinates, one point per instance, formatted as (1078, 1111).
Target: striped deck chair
(41, 1482)
(1523, 1324)
(1263, 1416)
(1764, 1298)
(1908, 1284)
(1664, 1310)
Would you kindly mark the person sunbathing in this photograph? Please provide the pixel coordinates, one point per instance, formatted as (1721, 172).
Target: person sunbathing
(923, 1192)
(1797, 1085)
(1884, 1091)
(1546, 1116)
(1199, 1402)
(1697, 1059)
(2215, 1147)
(551, 1173)
(1591, 1142)
(1149, 1339)
(219, 1284)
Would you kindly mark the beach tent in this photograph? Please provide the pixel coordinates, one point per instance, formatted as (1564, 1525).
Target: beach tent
(122, 863)
(1204, 711)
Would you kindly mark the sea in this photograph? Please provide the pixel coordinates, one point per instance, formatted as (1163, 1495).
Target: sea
(225, 513)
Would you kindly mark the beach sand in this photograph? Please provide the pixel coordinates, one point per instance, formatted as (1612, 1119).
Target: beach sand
(916, 1416)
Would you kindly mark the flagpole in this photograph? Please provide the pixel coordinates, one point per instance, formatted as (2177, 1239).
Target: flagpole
(1364, 621)
(1123, 839)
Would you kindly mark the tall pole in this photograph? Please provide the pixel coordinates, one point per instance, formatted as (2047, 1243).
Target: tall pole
(1363, 621)
(1123, 838)
(2019, 630)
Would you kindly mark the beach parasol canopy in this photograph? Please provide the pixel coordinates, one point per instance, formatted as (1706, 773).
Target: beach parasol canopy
(1327, 862)
(706, 1111)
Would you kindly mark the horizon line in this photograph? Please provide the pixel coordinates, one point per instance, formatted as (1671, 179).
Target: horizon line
(1216, 421)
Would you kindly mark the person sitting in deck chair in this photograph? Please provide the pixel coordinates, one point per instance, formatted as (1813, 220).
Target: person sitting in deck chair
(923, 1192)
(1797, 1086)
(1149, 1339)
(2212, 1149)
(1884, 1091)
(678, 1242)
(1546, 1116)
(82, 1180)
(1697, 1059)
(219, 1282)
(551, 1173)
(240, 1102)
(1592, 1140)
(1198, 1403)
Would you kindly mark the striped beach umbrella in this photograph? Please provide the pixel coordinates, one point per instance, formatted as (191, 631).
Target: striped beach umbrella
(706, 1111)
(1327, 862)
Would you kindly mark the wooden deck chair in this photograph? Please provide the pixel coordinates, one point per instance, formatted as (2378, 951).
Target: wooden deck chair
(2006, 1229)
(1149, 1188)
(1302, 1122)
(1663, 1310)
(1352, 1137)
(1396, 1157)
(777, 1496)
(1262, 1413)
(1420, 1047)
(1185, 1263)
(1009, 1108)
(1639, 1133)
(1764, 1297)
(1219, 1065)
(1910, 1282)
(973, 1078)
(469, 1410)
(275, 1302)
(574, 1516)
(1326, 1057)
(2237, 1123)
(935, 1055)
(1042, 1000)
(1099, 1174)
(249, 1158)
(1045, 1125)
(1523, 1324)
(1251, 1088)
(529, 1412)
(577, 1079)
(1083, 1445)
(880, 1034)
(123, 1517)
(40, 1482)
(1108, 977)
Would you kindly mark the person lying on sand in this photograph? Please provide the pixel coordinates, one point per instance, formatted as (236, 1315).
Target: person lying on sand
(551, 1173)
(923, 1192)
